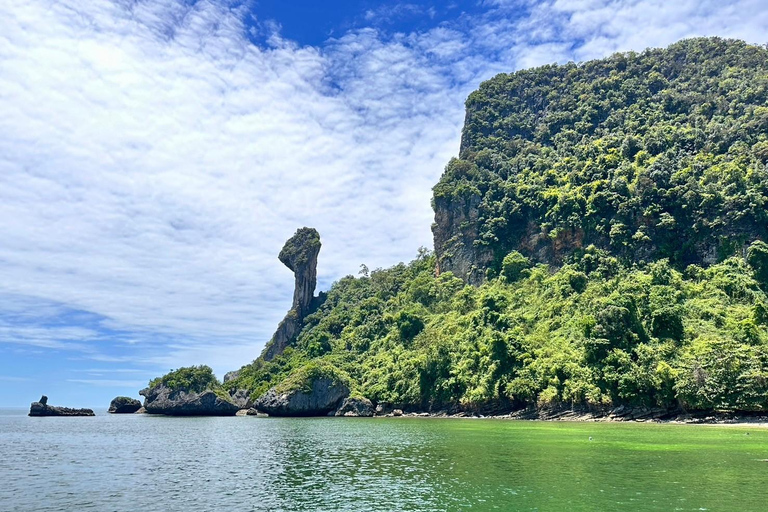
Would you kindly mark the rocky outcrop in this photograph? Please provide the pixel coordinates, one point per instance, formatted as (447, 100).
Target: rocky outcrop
(356, 407)
(161, 399)
(455, 230)
(323, 396)
(300, 255)
(231, 375)
(241, 398)
(41, 408)
(124, 405)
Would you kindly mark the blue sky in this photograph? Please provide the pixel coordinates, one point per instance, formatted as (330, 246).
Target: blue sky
(155, 155)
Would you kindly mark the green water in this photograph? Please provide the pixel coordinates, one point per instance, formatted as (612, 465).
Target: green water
(118, 462)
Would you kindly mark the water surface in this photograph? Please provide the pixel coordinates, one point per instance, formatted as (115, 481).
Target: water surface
(149, 463)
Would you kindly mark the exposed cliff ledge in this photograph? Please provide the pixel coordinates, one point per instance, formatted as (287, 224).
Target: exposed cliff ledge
(455, 231)
(300, 255)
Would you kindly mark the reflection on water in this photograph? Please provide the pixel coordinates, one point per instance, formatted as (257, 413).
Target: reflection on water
(148, 463)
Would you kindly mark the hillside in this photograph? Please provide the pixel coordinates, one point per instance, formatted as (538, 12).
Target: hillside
(599, 241)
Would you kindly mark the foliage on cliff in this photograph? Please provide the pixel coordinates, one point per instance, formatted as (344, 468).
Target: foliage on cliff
(591, 332)
(190, 379)
(623, 202)
(659, 154)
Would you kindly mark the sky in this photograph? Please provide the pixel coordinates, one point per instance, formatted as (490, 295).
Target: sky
(156, 154)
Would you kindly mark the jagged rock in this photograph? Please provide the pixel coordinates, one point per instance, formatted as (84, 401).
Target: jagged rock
(300, 255)
(124, 405)
(322, 397)
(42, 408)
(142, 410)
(356, 407)
(162, 400)
(231, 375)
(241, 398)
(397, 412)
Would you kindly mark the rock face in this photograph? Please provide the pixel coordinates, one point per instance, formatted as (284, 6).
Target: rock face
(455, 230)
(163, 400)
(356, 407)
(241, 398)
(300, 255)
(323, 397)
(231, 375)
(42, 408)
(124, 405)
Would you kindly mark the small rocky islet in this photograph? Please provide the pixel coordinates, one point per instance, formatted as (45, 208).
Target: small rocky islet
(41, 408)
(124, 405)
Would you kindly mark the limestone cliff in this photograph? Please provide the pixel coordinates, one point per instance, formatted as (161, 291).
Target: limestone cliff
(300, 255)
(455, 230)
(640, 156)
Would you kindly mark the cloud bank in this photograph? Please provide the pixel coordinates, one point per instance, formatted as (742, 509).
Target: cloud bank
(153, 159)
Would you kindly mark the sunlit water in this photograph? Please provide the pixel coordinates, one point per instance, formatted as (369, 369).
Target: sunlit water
(148, 463)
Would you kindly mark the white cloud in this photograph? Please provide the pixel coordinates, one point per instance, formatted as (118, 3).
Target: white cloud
(153, 160)
(111, 383)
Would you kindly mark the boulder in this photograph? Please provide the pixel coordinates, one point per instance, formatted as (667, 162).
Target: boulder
(124, 405)
(322, 396)
(42, 408)
(161, 399)
(355, 407)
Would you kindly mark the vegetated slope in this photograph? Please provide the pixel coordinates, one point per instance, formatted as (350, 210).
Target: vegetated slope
(611, 215)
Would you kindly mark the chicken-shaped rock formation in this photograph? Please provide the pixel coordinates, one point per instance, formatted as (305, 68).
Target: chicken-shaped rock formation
(300, 255)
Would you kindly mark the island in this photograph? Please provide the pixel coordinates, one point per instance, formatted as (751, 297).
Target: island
(41, 408)
(599, 252)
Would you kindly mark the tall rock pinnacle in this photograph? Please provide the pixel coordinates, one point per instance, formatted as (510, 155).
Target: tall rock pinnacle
(300, 255)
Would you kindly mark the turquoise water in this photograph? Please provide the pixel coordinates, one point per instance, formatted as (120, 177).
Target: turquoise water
(147, 463)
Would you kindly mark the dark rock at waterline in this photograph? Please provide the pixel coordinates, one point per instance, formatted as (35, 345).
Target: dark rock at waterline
(42, 408)
(356, 407)
(163, 400)
(124, 405)
(323, 397)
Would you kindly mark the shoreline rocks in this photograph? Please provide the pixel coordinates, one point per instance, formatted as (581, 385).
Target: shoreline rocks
(322, 397)
(163, 400)
(124, 405)
(41, 408)
(356, 407)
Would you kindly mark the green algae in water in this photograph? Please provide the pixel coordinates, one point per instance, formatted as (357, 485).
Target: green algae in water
(358, 464)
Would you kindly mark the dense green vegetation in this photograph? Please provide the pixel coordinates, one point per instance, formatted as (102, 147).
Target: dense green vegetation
(653, 155)
(190, 379)
(591, 332)
(624, 201)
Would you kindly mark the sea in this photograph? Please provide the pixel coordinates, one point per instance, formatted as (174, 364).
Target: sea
(151, 463)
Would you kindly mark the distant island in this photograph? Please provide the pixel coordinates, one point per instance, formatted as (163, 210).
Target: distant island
(599, 250)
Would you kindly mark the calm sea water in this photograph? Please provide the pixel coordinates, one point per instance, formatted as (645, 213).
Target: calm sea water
(147, 463)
